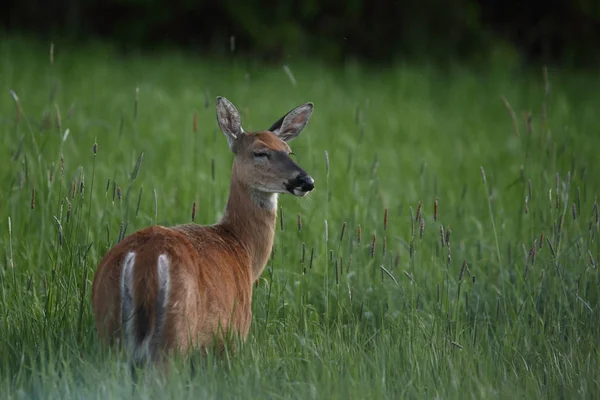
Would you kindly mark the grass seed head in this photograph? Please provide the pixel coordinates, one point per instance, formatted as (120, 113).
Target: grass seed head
(281, 218)
(557, 191)
(136, 103)
(194, 212)
(32, 198)
(119, 193)
(69, 211)
(435, 209)
(299, 222)
(442, 237)
(58, 118)
(462, 270)
(421, 228)
(343, 230)
(532, 252)
(373, 243)
(385, 219)
(138, 164)
(419, 206)
(358, 235)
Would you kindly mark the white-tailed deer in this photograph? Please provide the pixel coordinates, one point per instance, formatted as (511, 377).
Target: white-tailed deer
(166, 289)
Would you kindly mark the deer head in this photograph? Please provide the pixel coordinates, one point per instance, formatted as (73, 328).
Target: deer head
(262, 159)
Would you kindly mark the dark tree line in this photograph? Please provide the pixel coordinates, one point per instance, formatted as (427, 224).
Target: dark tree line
(375, 30)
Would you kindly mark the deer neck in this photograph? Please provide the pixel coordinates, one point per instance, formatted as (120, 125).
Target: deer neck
(251, 216)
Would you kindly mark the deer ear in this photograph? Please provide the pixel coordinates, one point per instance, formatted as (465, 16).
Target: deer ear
(229, 120)
(291, 124)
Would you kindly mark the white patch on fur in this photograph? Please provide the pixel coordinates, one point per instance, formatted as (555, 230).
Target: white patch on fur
(146, 348)
(264, 200)
(300, 193)
(164, 280)
(127, 299)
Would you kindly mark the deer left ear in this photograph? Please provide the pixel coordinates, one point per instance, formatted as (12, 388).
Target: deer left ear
(291, 124)
(229, 121)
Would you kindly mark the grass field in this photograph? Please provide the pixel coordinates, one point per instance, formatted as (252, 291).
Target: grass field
(367, 298)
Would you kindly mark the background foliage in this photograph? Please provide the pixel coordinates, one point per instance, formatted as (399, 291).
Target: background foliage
(560, 31)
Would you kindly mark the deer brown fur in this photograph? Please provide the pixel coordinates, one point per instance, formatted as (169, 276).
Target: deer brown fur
(164, 289)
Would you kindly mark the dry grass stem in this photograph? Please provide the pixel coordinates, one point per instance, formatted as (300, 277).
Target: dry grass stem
(513, 116)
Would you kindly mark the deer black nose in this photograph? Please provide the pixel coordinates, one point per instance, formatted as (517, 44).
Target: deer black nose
(301, 185)
(306, 183)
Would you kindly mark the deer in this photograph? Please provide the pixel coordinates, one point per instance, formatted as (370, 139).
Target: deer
(172, 289)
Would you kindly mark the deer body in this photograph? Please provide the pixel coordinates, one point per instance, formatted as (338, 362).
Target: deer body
(166, 289)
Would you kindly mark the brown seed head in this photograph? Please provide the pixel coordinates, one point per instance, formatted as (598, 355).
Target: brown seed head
(299, 222)
(385, 219)
(32, 198)
(194, 212)
(373, 243)
(435, 210)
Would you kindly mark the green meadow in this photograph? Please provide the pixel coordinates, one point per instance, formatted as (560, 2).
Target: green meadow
(450, 248)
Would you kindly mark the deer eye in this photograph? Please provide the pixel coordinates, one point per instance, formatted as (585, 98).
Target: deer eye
(261, 154)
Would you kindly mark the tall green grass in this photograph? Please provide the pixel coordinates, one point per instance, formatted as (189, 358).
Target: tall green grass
(450, 248)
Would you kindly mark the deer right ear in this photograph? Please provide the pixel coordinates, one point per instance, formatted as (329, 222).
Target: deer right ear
(229, 120)
(291, 124)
